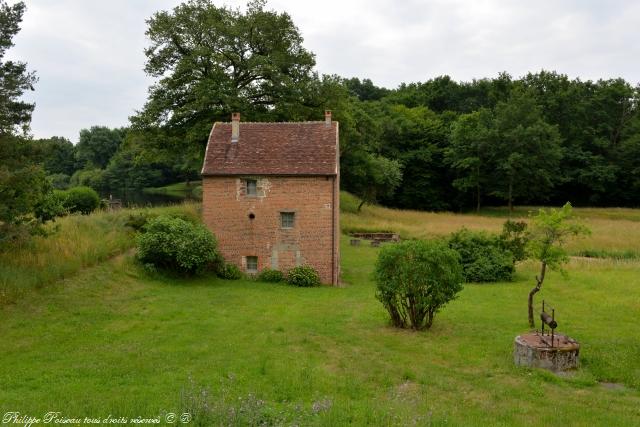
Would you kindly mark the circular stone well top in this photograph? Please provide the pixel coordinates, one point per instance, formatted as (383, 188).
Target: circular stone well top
(535, 350)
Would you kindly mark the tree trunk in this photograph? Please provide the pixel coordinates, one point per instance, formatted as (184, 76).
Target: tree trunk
(510, 195)
(478, 189)
(430, 314)
(362, 202)
(535, 290)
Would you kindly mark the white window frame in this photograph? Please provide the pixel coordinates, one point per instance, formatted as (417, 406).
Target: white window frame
(287, 214)
(255, 187)
(252, 258)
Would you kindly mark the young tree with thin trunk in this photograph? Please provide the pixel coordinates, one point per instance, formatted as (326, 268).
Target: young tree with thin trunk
(550, 230)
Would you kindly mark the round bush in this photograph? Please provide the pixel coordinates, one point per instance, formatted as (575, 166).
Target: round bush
(270, 276)
(415, 279)
(303, 276)
(176, 245)
(484, 258)
(229, 272)
(81, 199)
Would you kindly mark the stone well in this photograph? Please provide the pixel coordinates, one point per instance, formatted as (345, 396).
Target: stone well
(535, 351)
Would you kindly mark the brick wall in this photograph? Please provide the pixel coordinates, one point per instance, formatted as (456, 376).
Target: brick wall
(313, 240)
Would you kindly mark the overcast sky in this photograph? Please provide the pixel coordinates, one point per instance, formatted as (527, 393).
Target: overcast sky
(88, 54)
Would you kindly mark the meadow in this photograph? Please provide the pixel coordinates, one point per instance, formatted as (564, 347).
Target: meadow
(76, 242)
(615, 231)
(107, 337)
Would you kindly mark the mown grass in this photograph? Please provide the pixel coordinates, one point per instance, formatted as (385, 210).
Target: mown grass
(115, 340)
(77, 242)
(614, 231)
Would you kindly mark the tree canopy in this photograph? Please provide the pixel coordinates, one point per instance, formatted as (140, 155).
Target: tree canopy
(526, 150)
(211, 61)
(97, 145)
(22, 178)
(540, 138)
(15, 114)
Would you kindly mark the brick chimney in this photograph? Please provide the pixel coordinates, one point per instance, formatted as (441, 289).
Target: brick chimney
(235, 127)
(327, 118)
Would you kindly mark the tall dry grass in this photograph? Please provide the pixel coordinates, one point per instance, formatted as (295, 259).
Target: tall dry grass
(613, 230)
(76, 242)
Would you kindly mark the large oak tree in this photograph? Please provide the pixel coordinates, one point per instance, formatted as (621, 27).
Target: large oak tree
(211, 61)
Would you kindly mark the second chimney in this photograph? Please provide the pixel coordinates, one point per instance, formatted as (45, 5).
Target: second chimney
(327, 117)
(235, 127)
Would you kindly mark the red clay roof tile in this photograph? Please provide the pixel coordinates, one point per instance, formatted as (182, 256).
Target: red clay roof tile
(305, 148)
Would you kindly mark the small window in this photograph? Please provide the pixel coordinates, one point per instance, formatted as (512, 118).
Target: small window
(252, 187)
(252, 264)
(287, 219)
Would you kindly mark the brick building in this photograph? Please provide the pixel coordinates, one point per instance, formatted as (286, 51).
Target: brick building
(270, 194)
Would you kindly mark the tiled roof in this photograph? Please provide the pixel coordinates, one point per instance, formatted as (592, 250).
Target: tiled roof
(305, 148)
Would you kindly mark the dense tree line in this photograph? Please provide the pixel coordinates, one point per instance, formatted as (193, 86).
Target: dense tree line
(439, 144)
(543, 138)
(435, 145)
(108, 160)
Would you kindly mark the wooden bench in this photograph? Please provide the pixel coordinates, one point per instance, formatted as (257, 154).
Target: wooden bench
(378, 237)
(375, 238)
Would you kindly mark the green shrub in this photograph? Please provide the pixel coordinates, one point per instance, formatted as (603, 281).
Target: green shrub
(415, 279)
(81, 199)
(271, 276)
(138, 220)
(187, 216)
(514, 238)
(51, 206)
(303, 276)
(483, 257)
(229, 271)
(176, 245)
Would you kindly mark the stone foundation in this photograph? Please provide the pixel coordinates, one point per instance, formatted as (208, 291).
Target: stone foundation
(535, 351)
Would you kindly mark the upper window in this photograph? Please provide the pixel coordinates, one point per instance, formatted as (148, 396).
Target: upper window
(287, 219)
(252, 187)
(252, 264)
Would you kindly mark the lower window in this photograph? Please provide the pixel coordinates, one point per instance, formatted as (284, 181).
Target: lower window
(287, 219)
(252, 264)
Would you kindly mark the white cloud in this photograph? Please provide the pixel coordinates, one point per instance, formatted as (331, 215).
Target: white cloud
(89, 54)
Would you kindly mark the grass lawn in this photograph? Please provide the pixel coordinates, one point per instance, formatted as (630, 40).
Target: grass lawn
(113, 339)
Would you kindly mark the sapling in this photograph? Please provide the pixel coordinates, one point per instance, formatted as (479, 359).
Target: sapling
(550, 230)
